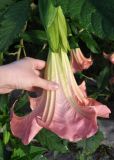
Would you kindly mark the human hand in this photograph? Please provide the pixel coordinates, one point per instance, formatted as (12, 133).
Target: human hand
(24, 74)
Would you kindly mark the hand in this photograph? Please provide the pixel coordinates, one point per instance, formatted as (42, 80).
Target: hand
(24, 74)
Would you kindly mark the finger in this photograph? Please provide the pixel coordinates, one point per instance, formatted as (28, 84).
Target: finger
(39, 64)
(37, 72)
(45, 84)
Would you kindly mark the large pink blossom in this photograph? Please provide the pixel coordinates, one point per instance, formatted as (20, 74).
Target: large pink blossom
(78, 61)
(68, 112)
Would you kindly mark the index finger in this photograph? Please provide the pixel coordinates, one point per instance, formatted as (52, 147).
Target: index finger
(39, 64)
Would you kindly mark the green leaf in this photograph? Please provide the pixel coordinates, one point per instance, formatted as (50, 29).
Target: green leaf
(39, 157)
(103, 77)
(5, 3)
(51, 141)
(64, 4)
(4, 6)
(95, 16)
(73, 42)
(1, 58)
(3, 103)
(71, 7)
(18, 152)
(13, 22)
(4, 112)
(6, 136)
(1, 151)
(89, 41)
(91, 144)
(34, 36)
(37, 150)
(21, 106)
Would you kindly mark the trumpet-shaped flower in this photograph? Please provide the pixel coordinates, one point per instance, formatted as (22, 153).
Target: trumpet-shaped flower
(110, 57)
(79, 61)
(68, 111)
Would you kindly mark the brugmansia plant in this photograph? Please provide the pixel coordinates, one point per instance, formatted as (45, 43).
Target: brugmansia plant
(68, 112)
(76, 39)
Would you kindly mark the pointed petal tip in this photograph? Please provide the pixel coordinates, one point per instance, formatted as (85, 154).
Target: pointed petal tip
(100, 109)
(25, 128)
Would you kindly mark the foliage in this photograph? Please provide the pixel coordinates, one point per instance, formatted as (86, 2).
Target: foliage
(12, 23)
(89, 146)
(90, 25)
(93, 16)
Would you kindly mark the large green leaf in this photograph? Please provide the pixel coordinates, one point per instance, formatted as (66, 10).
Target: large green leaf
(5, 3)
(3, 104)
(37, 150)
(1, 151)
(103, 77)
(21, 106)
(51, 141)
(91, 144)
(35, 36)
(95, 16)
(89, 41)
(39, 157)
(18, 153)
(13, 22)
(4, 6)
(6, 136)
(1, 58)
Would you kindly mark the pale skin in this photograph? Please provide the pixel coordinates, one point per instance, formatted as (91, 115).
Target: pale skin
(24, 74)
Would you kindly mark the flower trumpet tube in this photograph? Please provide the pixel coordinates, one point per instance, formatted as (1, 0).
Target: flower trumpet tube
(68, 111)
(110, 57)
(78, 61)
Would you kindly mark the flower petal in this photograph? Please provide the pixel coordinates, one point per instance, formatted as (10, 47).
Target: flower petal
(71, 124)
(101, 110)
(82, 86)
(25, 127)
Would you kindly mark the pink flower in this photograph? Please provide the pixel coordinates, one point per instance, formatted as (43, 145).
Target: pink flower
(68, 112)
(79, 61)
(111, 81)
(110, 57)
